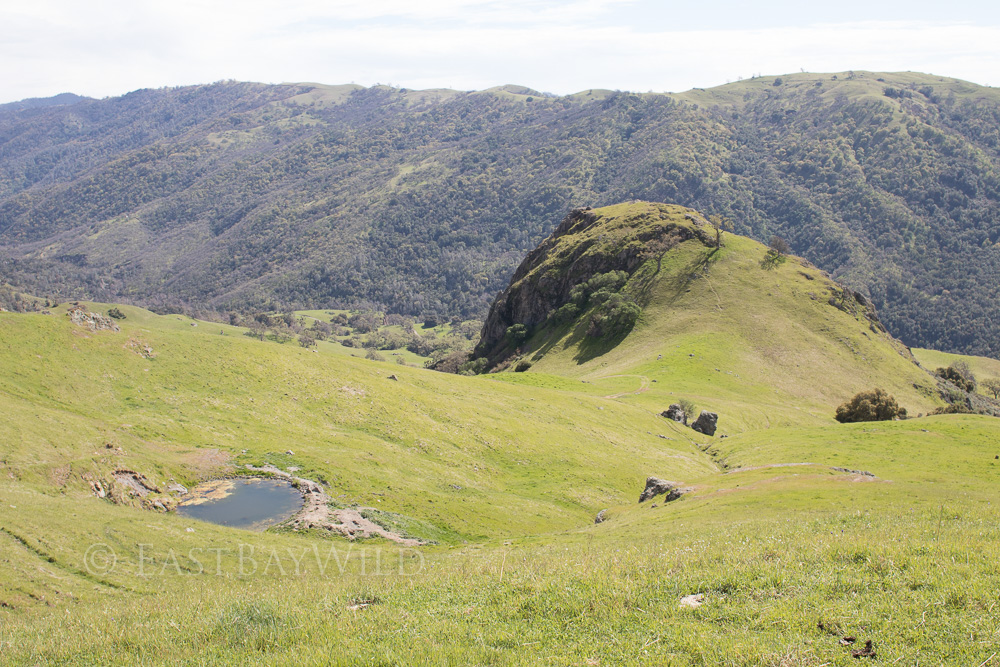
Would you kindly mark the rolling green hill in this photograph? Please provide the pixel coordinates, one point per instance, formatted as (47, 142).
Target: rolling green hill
(763, 346)
(804, 538)
(243, 195)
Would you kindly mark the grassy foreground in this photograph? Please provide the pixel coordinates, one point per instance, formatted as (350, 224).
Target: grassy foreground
(799, 533)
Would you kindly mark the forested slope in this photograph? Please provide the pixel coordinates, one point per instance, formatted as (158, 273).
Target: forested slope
(238, 194)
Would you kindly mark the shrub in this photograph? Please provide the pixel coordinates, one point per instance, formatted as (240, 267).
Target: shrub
(960, 375)
(870, 406)
(522, 366)
(603, 283)
(566, 313)
(373, 355)
(474, 367)
(307, 341)
(116, 313)
(953, 409)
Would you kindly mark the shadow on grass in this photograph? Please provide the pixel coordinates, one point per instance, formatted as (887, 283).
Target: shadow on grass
(645, 280)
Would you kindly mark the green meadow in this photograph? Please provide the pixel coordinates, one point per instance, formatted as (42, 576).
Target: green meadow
(805, 538)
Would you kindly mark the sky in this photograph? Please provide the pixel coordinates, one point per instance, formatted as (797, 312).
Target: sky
(103, 48)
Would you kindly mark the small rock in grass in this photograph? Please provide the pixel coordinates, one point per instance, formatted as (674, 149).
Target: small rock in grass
(693, 601)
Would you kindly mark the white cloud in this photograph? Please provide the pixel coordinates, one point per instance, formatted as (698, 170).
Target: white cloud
(111, 47)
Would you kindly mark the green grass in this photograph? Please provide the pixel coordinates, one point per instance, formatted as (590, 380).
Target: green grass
(505, 472)
(983, 368)
(763, 348)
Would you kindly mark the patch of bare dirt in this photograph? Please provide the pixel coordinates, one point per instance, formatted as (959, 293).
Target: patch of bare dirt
(772, 465)
(643, 385)
(208, 462)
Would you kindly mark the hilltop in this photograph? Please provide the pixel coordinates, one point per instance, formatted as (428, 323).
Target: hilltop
(241, 195)
(763, 342)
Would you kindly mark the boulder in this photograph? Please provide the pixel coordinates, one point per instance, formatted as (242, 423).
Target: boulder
(676, 413)
(601, 517)
(655, 486)
(706, 422)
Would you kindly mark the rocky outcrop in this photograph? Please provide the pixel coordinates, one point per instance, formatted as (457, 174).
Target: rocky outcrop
(706, 422)
(134, 483)
(655, 486)
(570, 256)
(676, 413)
(79, 316)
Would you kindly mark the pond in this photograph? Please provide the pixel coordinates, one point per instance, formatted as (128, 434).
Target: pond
(254, 503)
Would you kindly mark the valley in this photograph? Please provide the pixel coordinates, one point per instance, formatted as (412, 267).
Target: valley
(794, 540)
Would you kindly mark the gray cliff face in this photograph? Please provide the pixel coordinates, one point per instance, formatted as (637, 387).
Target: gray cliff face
(531, 297)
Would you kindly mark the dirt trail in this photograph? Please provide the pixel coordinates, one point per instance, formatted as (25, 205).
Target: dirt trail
(643, 385)
(317, 513)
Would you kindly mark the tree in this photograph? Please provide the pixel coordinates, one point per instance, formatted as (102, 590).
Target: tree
(307, 341)
(257, 329)
(517, 334)
(720, 223)
(779, 245)
(991, 385)
(870, 406)
(615, 317)
(776, 253)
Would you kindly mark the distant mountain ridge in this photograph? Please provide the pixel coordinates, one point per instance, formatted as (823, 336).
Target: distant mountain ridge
(249, 195)
(62, 99)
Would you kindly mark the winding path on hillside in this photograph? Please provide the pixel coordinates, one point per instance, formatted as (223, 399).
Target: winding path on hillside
(643, 385)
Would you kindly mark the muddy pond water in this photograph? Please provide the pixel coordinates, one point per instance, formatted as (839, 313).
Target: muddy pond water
(253, 504)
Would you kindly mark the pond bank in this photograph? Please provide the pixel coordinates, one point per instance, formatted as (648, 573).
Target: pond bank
(316, 513)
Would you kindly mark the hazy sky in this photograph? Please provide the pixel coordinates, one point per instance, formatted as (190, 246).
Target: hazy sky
(100, 48)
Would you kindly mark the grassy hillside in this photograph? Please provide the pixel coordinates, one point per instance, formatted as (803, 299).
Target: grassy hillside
(307, 195)
(762, 346)
(209, 393)
(984, 368)
(797, 532)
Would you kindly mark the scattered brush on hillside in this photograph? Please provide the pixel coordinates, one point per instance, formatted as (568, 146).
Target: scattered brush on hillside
(14, 301)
